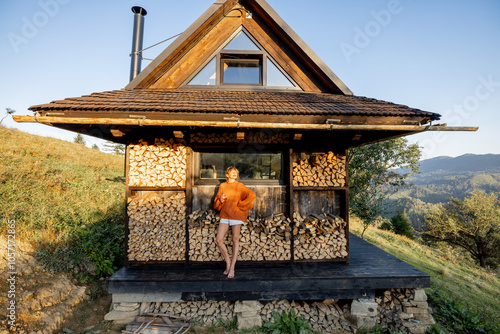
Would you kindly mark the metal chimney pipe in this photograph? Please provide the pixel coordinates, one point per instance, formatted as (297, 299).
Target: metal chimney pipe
(135, 63)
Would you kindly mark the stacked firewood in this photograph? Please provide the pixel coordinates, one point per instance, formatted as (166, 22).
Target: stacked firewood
(319, 237)
(250, 137)
(261, 239)
(325, 317)
(157, 227)
(391, 305)
(162, 164)
(202, 227)
(208, 312)
(320, 170)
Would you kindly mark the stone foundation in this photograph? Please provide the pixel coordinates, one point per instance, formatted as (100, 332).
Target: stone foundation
(401, 309)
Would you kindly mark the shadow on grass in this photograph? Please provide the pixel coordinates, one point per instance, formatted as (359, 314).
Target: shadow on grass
(88, 252)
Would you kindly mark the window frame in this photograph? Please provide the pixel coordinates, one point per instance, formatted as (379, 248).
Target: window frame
(258, 57)
(197, 181)
(219, 69)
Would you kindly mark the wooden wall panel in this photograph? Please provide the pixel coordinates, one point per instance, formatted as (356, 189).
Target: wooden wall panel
(270, 200)
(308, 202)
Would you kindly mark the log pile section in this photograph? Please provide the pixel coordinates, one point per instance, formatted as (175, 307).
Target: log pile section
(157, 226)
(263, 137)
(319, 170)
(319, 237)
(261, 239)
(323, 317)
(162, 164)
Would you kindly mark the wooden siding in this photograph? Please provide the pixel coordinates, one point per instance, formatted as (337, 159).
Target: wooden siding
(270, 199)
(265, 36)
(194, 58)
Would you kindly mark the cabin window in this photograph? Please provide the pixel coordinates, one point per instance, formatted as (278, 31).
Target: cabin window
(242, 42)
(241, 69)
(242, 61)
(275, 77)
(252, 166)
(207, 76)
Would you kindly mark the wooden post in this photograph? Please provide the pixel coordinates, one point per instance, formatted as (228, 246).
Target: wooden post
(289, 197)
(127, 195)
(189, 195)
(344, 209)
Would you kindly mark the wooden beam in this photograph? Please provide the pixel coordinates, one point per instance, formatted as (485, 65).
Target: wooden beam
(232, 124)
(117, 133)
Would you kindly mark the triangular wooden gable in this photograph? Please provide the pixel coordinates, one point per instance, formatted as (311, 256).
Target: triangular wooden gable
(191, 51)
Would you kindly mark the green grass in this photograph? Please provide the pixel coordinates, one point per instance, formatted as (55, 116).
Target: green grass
(460, 280)
(61, 195)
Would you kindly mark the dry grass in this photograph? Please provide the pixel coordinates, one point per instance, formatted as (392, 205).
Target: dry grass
(49, 185)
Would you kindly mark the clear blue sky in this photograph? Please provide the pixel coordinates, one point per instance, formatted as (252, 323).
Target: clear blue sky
(440, 56)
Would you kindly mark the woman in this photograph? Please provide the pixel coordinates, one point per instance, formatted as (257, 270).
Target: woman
(233, 200)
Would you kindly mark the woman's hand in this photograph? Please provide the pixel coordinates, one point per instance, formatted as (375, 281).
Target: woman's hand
(223, 198)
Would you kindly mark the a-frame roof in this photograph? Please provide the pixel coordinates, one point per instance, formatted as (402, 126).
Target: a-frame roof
(197, 44)
(160, 97)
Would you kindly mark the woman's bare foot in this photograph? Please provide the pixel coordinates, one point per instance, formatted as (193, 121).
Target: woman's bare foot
(228, 269)
(231, 274)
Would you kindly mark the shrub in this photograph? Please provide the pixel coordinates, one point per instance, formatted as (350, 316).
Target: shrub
(90, 252)
(286, 324)
(458, 318)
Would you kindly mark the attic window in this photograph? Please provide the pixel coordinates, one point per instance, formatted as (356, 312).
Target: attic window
(207, 76)
(242, 42)
(242, 62)
(241, 69)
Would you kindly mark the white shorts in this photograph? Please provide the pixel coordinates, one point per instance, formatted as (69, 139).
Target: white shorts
(231, 222)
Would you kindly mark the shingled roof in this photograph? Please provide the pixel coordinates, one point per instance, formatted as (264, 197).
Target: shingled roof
(238, 102)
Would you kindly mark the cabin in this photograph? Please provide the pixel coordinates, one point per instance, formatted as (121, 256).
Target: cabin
(240, 88)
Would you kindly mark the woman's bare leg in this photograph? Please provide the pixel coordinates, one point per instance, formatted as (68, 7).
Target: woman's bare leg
(221, 233)
(236, 246)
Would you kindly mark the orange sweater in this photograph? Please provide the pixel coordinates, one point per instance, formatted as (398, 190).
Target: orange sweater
(239, 200)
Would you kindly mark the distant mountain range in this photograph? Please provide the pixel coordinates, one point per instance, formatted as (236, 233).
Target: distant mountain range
(443, 177)
(463, 163)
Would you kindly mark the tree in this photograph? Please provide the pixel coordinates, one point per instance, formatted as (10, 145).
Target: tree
(401, 224)
(472, 224)
(9, 112)
(114, 148)
(373, 175)
(79, 139)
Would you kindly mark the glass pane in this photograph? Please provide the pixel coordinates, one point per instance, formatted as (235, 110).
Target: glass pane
(242, 42)
(261, 166)
(207, 75)
(241, 71)
(275, 77)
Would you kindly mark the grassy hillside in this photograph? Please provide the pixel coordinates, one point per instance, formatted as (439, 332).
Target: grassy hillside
(60, 194)
(453, 279)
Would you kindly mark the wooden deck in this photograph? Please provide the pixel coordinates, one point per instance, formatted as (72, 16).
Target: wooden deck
(370, 269)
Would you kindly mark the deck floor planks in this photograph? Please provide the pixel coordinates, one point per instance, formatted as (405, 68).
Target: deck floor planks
(370, 269)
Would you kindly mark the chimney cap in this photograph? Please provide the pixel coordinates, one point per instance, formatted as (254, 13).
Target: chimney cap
(139, 10)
